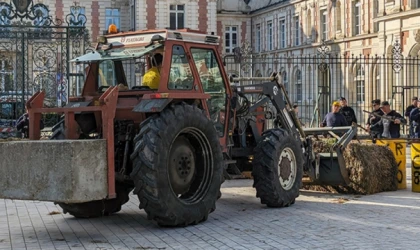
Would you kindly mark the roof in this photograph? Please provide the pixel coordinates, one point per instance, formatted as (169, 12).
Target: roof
(126, 45)
(119, 53)
(144, 37)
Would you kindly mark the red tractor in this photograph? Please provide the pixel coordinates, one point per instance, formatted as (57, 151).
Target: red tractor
(171, 145)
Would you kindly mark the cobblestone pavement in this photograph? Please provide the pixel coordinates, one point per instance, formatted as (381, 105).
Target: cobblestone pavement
(387, 220)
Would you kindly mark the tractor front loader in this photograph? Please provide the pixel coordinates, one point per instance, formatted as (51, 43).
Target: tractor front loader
(269, 140)
(170, 145)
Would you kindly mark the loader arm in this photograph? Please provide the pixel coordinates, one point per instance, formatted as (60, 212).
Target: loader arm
(278, 96)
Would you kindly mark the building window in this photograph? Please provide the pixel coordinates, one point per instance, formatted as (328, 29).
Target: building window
(258, 39)
(176, 16)
(378, 78)
(283, 34)
(269, 36)
(357, 24)
(133, 17)
(285, 81)
(112, 16)
(231, 38)
(298, 76)
(324, 25)
(360, 83)
(338, 16)
(309, 22)
(375, 15)
(296, 32)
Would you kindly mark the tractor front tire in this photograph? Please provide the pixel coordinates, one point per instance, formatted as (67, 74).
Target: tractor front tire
(177, 166)
(277, 168)
(96, 208)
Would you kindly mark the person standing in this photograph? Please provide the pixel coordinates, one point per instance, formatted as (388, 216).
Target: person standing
(415, 121)
(296, 109)
(377, 131)
(347, 112)
(407, 113)
(391, 129)
(334, 118)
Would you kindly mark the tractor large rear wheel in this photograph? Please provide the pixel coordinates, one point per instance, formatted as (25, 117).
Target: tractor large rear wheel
(277, 168)
(177, 166)
(97, 208)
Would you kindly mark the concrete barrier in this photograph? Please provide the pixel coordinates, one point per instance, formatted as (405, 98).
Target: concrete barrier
(58, 170)
(415, 167)
(397, 146)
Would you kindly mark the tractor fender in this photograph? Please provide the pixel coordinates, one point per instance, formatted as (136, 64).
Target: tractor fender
(152, 105)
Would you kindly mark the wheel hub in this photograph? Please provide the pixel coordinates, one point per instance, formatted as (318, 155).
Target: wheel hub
(287, 169)
(181, 166)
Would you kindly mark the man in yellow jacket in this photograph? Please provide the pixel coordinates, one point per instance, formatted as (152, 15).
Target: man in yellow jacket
(152, 76)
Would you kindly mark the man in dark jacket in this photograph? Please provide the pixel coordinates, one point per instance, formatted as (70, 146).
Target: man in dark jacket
(347, 111)
(415, 121)
(413, 106)
(391, 128)
(377, 131)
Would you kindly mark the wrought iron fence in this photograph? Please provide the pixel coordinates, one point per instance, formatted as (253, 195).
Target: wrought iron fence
(35, 50)
(314, 81)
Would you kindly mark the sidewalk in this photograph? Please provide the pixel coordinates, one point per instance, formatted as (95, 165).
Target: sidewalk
(388, 220)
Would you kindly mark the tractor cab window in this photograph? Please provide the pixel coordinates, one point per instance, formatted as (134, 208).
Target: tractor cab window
(212, 81)
(106, 74)
(180, 76)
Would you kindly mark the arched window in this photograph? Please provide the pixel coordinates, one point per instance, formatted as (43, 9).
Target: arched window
(298, 84)
(378, 79)
(338, 16)
(375, 15)
(285, 81)
(309, 24)
(360, 82)
(415, 4)
(309, 81)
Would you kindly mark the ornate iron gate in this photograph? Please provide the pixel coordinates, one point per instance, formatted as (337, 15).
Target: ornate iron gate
(35, 50)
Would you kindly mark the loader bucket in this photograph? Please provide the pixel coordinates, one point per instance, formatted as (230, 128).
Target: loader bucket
(70, 171)
(330, 168)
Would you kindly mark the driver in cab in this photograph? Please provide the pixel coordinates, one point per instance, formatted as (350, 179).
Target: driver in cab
(152, 77)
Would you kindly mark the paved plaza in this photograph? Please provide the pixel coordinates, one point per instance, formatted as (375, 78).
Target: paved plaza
(387, 220)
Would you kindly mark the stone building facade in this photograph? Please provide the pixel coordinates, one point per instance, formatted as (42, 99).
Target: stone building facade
(371, 48)
(287, 36)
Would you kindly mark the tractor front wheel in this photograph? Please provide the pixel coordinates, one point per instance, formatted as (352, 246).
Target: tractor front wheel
(177, 166)
(278, 168)
(96, 208)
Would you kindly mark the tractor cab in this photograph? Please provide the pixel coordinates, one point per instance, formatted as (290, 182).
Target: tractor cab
(124, 58)
(191, 70)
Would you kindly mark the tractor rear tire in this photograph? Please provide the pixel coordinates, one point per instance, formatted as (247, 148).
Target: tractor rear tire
(177, 166)
(277, 168)
(97, 208)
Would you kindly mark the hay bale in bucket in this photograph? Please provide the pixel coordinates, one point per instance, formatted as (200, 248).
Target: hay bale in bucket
(372, 168)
